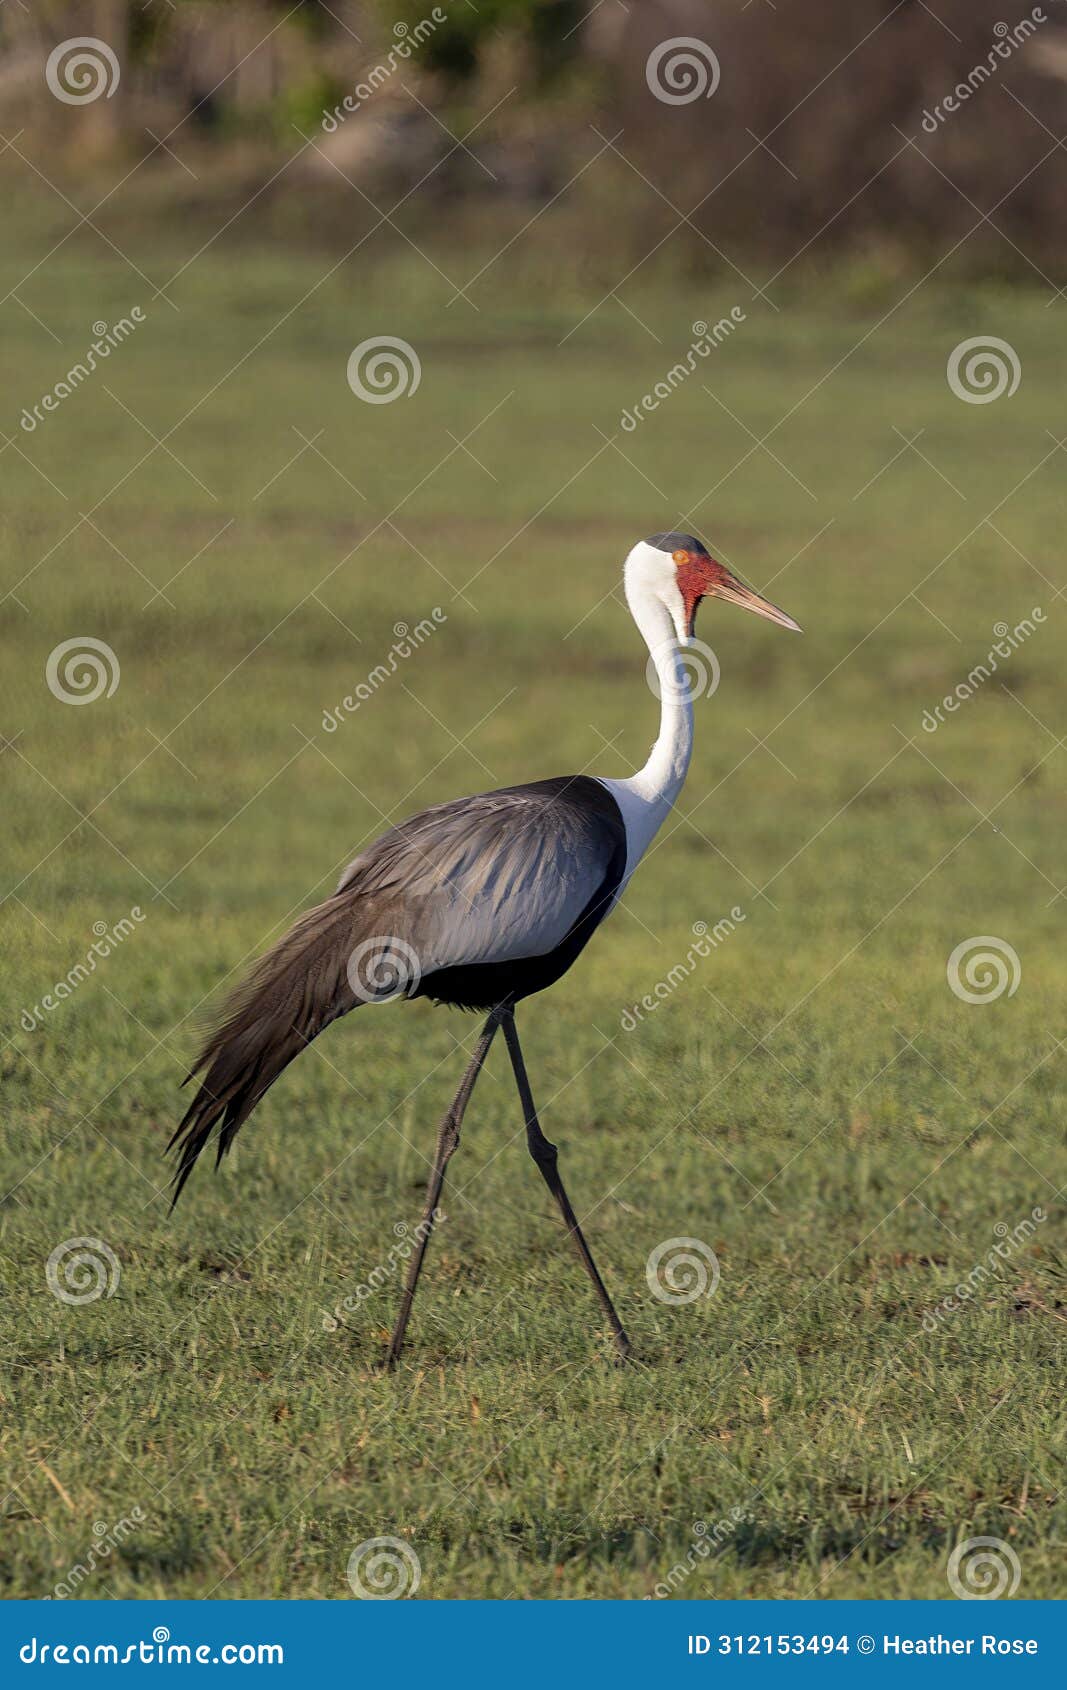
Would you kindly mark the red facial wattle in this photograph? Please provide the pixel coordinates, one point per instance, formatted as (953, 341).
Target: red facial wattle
(700, 576)
(697, 576)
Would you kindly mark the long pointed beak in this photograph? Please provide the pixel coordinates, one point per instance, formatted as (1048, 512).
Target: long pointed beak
(735, 592)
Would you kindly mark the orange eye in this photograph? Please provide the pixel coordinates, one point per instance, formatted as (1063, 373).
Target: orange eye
(680, 557)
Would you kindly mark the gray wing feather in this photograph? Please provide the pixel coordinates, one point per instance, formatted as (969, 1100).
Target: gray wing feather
(489, 879)
(493, 878)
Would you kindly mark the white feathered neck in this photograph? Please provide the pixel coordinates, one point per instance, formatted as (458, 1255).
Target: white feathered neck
(646, 798)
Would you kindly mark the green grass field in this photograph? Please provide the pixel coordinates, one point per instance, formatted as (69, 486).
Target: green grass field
(812, 1102)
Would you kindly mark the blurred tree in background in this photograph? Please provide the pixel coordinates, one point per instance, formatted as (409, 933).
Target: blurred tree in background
(830, 126)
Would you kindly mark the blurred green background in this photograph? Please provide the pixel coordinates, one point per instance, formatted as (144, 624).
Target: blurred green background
(245, 534)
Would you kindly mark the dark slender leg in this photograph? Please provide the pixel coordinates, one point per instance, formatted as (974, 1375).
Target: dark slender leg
(447, 1140)
(546, 1157)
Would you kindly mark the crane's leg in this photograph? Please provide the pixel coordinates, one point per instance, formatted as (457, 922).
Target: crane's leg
(546, 1156)
(447, 1140)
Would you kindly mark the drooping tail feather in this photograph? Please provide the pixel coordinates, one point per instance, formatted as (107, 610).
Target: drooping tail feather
(291, 994)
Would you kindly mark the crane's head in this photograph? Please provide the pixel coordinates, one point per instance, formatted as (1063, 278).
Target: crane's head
(678, 570)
